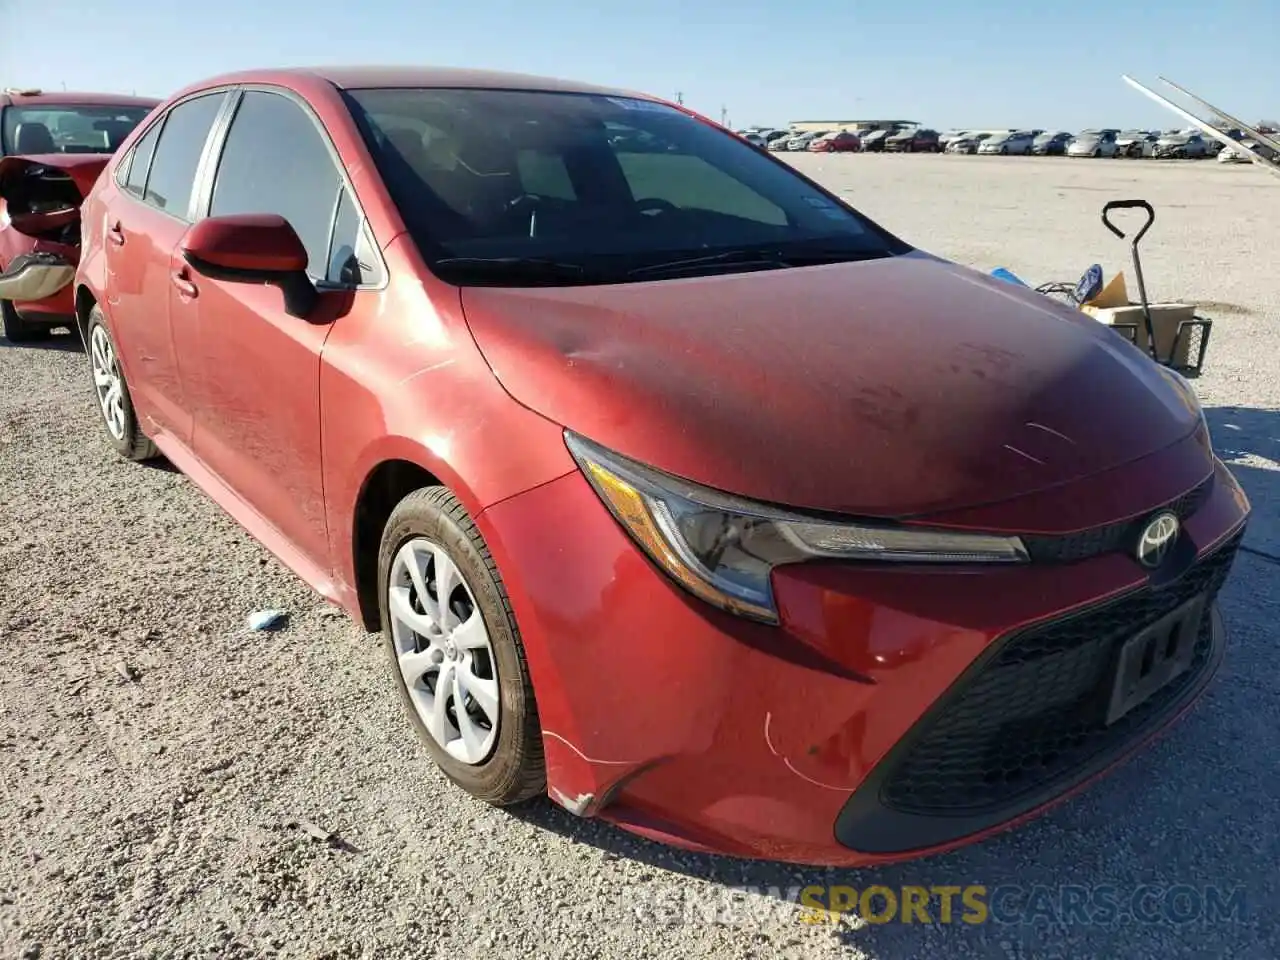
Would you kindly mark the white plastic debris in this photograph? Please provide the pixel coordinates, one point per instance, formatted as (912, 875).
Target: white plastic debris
(268, 619)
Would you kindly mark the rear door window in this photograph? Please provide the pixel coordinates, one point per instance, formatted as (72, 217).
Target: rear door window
(177, 155)
(276, 160)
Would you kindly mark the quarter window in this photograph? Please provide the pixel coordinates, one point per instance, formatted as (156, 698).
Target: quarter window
(140, 160)
(276, 161)
(352, 256)
(177, 155)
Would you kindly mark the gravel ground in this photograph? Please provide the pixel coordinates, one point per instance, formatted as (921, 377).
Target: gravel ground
(160, 764)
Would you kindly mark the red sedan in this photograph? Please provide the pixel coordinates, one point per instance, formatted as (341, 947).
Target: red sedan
(678, 489)
(52, 148)
(842, 142)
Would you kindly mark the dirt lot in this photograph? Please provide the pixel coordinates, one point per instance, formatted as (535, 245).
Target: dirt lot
(149, 815)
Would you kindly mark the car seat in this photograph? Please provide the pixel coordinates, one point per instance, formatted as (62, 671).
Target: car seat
(33, 138)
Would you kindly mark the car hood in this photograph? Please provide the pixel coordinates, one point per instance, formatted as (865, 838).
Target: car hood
(887, 388)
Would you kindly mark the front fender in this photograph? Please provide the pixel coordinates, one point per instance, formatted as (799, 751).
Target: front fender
(404, 380)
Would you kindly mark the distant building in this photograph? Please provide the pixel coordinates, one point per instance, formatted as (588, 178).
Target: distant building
(857, 126)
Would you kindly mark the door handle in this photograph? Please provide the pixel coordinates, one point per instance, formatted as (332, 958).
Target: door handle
(115, 235)
(185, 287)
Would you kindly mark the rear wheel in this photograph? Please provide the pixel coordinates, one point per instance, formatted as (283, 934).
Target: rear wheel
(455, 650)
(114, 402)
(19, 330)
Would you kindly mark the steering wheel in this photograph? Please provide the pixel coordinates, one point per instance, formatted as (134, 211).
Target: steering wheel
(653, 205)
(522, 202)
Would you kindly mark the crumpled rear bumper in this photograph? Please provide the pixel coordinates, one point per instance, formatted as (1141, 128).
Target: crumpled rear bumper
(35, 276)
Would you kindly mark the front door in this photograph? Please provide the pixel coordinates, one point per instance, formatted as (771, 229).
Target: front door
(257, 420)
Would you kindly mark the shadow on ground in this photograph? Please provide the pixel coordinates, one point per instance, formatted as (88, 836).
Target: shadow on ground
(62, 340)
(1171, 855)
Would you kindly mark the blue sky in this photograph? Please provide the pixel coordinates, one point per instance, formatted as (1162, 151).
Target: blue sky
(946, 63)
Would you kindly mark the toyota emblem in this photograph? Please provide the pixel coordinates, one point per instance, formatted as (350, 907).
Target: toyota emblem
(1157, 540)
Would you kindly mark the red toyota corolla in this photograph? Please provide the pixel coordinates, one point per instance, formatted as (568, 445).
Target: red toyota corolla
(678, 489)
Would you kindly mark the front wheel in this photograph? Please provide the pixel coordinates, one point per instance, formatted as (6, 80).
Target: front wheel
(455, 649)
(112, 392)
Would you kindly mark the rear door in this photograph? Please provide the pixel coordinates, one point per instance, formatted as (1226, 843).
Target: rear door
(144, 225)
(258, 409)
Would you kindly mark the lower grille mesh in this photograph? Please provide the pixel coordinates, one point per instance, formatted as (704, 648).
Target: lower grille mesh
(1034, 711)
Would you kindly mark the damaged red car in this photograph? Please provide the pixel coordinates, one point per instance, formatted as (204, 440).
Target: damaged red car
(52, 148)
(678, 489)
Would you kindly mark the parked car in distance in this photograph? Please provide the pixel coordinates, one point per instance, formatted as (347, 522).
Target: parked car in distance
(1014, 142)
(781, 143)
(1093, 143)
(801, 141)
(1237, 155)
(1135, 143)
(1051, 144)
(873, 141)
(946, 138)
(490, 380)
(842, 141)
(52, 148)
(913, 141)
(968, 143)
(1181, 146)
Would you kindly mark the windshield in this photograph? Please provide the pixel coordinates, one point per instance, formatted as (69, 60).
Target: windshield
(588, 186)
(67, 128)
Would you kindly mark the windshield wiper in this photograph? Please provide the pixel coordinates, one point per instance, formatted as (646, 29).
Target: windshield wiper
(522, 270)
(763, 257)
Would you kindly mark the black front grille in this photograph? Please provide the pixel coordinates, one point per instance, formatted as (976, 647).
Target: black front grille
(1113, 537)
(1033, 711)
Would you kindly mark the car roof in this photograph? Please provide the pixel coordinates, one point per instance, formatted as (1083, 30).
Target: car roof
(366, 77)
(64, 98)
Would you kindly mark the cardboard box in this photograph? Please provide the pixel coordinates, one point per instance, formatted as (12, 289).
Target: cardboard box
(1113, 306)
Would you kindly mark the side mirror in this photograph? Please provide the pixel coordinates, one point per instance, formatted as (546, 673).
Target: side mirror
(253, 248)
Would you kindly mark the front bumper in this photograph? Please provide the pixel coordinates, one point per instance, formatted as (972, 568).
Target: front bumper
(35, 276)
(696, 728)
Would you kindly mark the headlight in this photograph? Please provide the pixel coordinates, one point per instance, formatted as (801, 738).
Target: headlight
(722, 548)
(1189, 397)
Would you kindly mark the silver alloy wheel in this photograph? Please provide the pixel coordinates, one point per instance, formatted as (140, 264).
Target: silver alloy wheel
(107, 381)
(443, 651)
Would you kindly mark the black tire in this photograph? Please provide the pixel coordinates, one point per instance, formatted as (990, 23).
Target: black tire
(134, 445)
(21, 331)
(515, 770)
